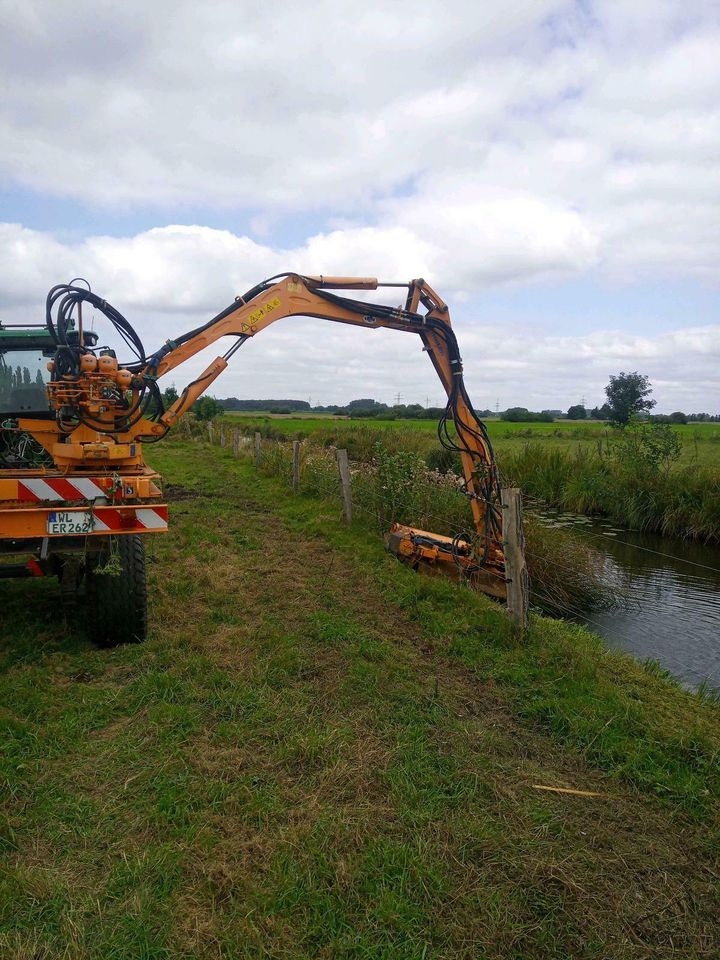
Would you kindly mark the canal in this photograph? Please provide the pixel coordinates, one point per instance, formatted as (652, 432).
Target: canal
(670, 611)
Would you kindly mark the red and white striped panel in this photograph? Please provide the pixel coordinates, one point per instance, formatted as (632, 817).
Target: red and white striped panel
(147, 518)
(60, 488)
(153, 518)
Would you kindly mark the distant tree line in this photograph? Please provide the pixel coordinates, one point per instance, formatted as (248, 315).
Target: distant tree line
(267, 406)
(628, 399)
(523, 415)
(364, 407)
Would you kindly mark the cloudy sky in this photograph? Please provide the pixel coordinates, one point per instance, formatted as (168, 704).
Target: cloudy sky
(552, 168)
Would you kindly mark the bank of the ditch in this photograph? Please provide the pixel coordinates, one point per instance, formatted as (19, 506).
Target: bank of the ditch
(318, 753)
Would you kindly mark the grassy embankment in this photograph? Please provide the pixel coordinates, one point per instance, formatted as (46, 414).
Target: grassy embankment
(580, 468)
(318, 753)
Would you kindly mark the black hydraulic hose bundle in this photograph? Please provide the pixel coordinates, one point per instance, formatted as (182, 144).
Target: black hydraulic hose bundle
(71, 298)
(486, 474)
(62, 306)
(65, 299)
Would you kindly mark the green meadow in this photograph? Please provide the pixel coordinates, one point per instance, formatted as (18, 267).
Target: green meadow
(700, 441)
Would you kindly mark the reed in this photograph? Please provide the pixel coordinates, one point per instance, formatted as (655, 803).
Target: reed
(683, 502)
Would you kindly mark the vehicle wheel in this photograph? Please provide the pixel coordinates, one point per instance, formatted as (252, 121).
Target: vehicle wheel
(117, 598)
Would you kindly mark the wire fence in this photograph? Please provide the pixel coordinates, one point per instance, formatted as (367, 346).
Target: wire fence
(455, 520)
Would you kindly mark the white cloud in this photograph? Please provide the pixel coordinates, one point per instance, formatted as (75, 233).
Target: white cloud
(167, 280)
(189, 267)
(606, 113)
(234, 103)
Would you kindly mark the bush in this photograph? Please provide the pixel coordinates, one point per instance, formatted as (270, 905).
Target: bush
(397, 480)
(207, 408)
(645, 447)
(443, 460)
(267, 430)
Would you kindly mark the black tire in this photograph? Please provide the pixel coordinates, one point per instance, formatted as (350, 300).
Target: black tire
(117, 603)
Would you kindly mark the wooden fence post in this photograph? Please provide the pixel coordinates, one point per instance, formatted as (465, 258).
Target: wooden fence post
(516, 575)
(236, 443)
(258, 450)
(344, 470)
(296, 466)
(222, 434)
(210, 431)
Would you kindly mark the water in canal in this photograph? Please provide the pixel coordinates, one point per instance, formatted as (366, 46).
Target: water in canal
(673, 590)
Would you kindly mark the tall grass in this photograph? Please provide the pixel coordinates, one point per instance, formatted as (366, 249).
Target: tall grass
(360, 440)
(684, 502)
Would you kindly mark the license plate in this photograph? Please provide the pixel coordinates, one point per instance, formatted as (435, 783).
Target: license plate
(69, 522)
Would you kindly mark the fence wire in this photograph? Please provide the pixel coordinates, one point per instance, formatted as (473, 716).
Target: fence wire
(541, 505)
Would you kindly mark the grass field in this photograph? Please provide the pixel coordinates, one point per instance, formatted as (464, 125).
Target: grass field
(700, 441)
(319, 754)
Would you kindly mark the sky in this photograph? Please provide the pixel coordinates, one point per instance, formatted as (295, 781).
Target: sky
(552, 168)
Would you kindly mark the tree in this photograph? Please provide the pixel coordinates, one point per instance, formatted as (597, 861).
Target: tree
(627, 395)
(367, 403)
(169, 396)
(600, 413)
(678, 417)
(206, 408)
(515, 414)
(577, 412)
(523, 415)
(414, 411)
(5, 380)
